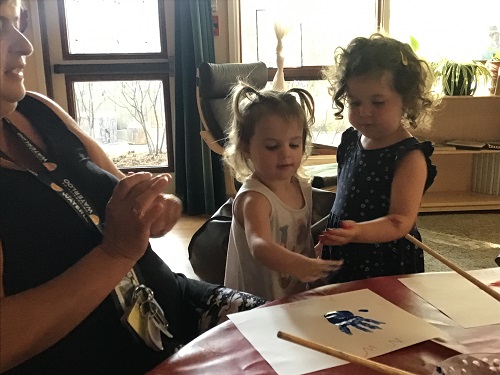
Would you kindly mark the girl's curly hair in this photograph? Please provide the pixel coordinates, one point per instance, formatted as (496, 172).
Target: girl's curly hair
(412, 77)
(249, 106)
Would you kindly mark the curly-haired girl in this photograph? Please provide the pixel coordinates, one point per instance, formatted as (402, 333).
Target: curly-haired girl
(383, 170)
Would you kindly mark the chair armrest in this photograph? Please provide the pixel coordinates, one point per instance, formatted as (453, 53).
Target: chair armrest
(211, 142)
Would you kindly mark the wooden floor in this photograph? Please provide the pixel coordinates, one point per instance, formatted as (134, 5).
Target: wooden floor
(173, 247)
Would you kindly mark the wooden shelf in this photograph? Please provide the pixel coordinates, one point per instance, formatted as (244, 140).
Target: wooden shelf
(461, 174)
(452, 151)
(320, 159)
(440, 201)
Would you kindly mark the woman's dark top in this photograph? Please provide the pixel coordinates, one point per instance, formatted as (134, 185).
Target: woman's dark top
(42, 237)
(363, 194)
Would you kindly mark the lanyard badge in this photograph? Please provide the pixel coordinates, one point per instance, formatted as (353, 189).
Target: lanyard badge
(146, 317)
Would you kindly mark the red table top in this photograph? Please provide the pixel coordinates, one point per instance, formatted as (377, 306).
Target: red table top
(224, 350)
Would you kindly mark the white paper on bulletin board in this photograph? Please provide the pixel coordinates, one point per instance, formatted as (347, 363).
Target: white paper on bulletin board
(376, 327)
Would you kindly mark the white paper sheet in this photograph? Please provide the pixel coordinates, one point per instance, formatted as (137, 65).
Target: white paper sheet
(396, 329)
(458, 298)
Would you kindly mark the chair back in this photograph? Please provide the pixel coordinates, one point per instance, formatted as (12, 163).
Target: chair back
(214, 84)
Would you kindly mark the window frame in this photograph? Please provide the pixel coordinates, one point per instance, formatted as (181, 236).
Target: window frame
(97, 67)
(306, 72)
(72, 78)
(112, 56)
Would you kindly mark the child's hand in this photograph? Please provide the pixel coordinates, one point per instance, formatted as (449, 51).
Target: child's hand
(346, 233)
(316, 268)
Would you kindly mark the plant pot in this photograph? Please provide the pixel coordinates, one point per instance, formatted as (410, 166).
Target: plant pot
(461, 79)
(462, 84)
(493, 67)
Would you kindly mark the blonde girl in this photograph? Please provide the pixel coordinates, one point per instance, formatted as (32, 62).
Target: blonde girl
(271, 252)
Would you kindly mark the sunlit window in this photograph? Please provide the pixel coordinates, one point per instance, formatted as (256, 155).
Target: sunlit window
(116, 72)
(111, 26)
(313, 29)
(312, 32)
(447, 28)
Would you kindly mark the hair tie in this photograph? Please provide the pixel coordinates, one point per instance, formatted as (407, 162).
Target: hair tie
(404, 60)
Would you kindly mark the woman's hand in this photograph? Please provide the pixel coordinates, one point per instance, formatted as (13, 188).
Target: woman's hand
(131, 213)
(345, 234)
(171, 209)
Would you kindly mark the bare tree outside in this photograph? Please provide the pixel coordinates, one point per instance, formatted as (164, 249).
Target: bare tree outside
(127, 118)
(87, 104)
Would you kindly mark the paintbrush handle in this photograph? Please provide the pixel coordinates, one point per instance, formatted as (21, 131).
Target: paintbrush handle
(380, 367)
(454, 267)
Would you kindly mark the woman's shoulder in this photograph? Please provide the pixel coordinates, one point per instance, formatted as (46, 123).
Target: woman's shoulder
(51, 105)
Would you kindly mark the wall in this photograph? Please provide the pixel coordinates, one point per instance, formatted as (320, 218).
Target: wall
(221, 41)
(34, 75)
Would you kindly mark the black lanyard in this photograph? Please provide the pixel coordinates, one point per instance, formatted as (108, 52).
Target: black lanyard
(52, 175)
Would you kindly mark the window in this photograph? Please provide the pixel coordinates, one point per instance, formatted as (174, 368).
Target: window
(448, 29)
(316, 27)
(114, 62)
(126, 117)
(118, 28)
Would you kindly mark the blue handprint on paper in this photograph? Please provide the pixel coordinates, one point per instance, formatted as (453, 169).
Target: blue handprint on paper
(343, 319)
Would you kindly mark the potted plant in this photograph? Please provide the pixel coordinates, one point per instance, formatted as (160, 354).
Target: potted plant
(460, 78)
(493, 64)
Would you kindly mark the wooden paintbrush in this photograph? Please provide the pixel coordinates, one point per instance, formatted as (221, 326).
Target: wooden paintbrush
(454, 267)
(380, 367)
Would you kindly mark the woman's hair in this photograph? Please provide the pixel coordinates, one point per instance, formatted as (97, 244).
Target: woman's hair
(249, 106)
(412, 77)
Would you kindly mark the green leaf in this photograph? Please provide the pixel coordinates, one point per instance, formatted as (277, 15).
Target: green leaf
(414, 44)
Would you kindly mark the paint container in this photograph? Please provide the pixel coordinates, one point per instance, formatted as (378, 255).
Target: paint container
(470, 364)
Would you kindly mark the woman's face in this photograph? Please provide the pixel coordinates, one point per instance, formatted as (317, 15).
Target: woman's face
(14, 48)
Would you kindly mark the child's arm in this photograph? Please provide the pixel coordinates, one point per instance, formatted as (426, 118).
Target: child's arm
(253, 211)
(406, 195)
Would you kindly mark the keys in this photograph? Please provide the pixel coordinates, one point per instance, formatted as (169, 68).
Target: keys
(146, 317)
(154, 312)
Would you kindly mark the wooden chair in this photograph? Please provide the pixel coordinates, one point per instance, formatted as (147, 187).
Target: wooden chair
(213, 88)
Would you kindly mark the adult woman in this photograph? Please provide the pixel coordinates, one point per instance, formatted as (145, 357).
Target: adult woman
(60, 267)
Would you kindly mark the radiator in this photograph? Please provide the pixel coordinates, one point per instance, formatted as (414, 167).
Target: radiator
(486, 173)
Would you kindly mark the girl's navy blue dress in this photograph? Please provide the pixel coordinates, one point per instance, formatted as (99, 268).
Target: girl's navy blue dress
(42, 237)
(363, 194)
